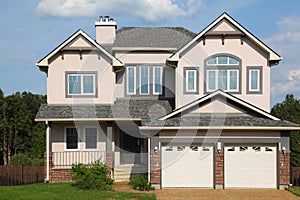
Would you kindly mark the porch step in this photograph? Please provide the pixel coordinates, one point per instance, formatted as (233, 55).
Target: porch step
(123, 173)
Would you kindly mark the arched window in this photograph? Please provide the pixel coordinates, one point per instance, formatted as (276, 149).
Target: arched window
(222, 72)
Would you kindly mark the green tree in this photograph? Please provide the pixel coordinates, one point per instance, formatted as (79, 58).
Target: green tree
(289, 110)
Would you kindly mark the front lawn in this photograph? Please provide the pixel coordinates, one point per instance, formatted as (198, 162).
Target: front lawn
(295, 190)
(63, 191)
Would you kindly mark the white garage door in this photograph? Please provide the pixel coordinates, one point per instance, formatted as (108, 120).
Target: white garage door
(187, 166)
(250, 166)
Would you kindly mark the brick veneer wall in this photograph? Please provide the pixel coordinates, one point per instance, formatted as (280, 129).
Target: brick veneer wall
(219, 169)
(155, 175)
(284, 168)
(57, 175)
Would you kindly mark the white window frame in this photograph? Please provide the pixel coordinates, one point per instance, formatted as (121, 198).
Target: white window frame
(134, 81)
(97, 135)
(148, 89)
(187, 80)
(217, 78)
(217, 61)
(250, 81)
(65, 138)
(81, 75)
(161, 79)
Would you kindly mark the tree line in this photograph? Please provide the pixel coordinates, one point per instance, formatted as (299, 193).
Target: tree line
(20, 136)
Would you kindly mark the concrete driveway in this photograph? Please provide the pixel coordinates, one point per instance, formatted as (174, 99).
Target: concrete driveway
(227, 194)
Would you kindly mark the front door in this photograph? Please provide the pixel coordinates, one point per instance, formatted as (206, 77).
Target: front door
(131, 149)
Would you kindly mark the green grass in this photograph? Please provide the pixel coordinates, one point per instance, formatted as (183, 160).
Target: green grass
(63, 191)
(295, 190)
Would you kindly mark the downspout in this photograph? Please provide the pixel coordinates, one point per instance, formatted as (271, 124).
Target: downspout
(47, 152)
(149, 154)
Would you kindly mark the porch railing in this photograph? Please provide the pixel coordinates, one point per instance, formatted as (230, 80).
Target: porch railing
(66, 159)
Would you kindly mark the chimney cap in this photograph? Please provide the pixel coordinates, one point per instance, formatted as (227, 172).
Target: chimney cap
(105, 21)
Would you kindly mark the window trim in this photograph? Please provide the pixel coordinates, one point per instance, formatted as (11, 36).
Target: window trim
(196, 80)
(81, 74)
(217, 67)
(134, 81)
(260, 80)
(153, 80)
(65, 138)
(97, 135)
(140, 80)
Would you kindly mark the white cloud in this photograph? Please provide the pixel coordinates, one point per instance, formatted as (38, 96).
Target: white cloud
(149, 10)
(286, 76)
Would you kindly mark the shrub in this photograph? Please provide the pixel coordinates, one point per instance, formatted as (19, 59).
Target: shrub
(93, 176)
(140, 183)
(24, 159)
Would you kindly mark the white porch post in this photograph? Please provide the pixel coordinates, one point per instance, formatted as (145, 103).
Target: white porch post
(47, 152)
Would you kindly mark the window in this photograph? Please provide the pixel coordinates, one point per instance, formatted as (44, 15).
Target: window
(71, 138)
(147, 78)
(226, 80)
(81, 84)
(191, 80)
(223, 73)
(157, 80)
(254, 80)
(90, 138)
(144, 80)
(243, 149)
(131, 80)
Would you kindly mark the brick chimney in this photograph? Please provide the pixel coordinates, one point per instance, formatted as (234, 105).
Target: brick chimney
(106, 30)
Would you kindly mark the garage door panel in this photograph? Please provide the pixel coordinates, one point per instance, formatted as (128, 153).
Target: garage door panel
(187, 166)
(250, 166)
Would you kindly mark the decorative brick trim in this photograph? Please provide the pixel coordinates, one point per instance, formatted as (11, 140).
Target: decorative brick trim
(284, 168)
(219, 169)
(155, 163)
(57, 175)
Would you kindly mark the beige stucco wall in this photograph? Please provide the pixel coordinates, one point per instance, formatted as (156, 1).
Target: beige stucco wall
(250, 55)
(56, 80)
(105, 34)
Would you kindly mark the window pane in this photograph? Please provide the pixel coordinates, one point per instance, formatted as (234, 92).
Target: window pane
(191, 79)
(222, 79)
(74, 84)
(211, 80)
(91, 138)
(157, 80)
(233, 80)
(233, 61)
(72, 138)
(144, 78)
(130, 80)
(88, 84)
(254, 80)
(212, 61)
(222, 60)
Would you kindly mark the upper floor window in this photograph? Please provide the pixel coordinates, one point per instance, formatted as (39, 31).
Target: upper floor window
(254, 79)
(81, 84)
(191, 80)
(222, 72)
(140, 82)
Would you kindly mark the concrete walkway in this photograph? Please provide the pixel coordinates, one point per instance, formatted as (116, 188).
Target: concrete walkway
(227, 194)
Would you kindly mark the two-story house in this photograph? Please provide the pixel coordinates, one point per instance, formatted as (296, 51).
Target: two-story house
(185, 109)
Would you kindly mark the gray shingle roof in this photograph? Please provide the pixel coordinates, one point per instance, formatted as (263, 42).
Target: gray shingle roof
(163, 37)
(227, 120)
(123, 108)
(149, 110)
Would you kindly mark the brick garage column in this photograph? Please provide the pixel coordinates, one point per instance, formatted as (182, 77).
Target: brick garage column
(219, 170)
(155, 169)
(284, 170)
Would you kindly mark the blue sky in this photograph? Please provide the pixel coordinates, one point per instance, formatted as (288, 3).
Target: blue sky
(31, 29)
